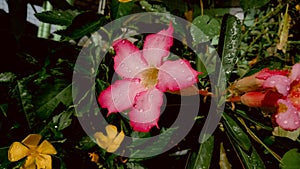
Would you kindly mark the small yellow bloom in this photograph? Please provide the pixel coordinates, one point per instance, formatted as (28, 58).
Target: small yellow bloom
(124, 1)
(94, 157)
(112, 141)
(38, 156)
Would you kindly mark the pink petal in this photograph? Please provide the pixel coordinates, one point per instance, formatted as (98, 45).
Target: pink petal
(176, 75)
(128, 61)
(290, 118)
(281, 83)
(295, 73)
(157, 46)
(266, 73)
(145, 113)
(120, 95)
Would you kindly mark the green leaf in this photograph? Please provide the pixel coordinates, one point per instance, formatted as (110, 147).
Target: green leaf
(290, 160)
(204, 28)
(236, 133)
(293, 135)
(203, 158)
(3, 109)
(162, 141)
(269, 62)
(83, 24)
(7, 77)
(229, 42)
(132, 165)
(249, 4)
(26, 102)
(63, 119)
(58, 17)
(250, 159)
(65, 97)
(4, 163)
(119, 9)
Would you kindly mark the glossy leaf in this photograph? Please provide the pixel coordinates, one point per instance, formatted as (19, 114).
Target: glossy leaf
(57, 17)
(229, 42)
(291, 159)
(250, 159)
(236, 133)
(202, 159)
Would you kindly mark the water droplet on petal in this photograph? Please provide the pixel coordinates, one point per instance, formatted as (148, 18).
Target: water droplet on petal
(190, 78)
(181, 62)
(285, 122)
(141, 110)
(123, 41)
(183, 71)
(276, 116)
(122, 65)
(273, 82)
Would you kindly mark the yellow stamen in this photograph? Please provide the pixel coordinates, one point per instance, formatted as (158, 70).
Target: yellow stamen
(149, 77)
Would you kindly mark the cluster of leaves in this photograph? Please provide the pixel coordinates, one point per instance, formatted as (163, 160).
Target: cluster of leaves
(41, 101)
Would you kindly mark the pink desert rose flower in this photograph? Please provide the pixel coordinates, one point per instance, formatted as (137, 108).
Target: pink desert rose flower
(287, 99)
(146, 75)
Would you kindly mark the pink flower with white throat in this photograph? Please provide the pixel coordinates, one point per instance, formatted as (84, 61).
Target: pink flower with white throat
(146, 75)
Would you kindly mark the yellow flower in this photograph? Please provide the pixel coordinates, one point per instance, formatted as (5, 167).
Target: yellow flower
(124, 1)
(38, 156)
(112, 141)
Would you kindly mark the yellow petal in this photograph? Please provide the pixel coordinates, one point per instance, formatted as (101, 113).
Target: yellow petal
(101, 139)
(115, 144)
(17, 151)
(32, 140)
(46, 148)
(29, 163)
(111, 131)
(43, 161)
(124, 1)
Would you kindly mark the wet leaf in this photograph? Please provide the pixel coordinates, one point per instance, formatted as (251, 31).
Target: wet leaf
(63, 120)
(236, 133)
(250, 159)
(229, 43)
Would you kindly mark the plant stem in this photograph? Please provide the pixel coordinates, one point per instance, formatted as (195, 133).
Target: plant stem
(278, 158)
